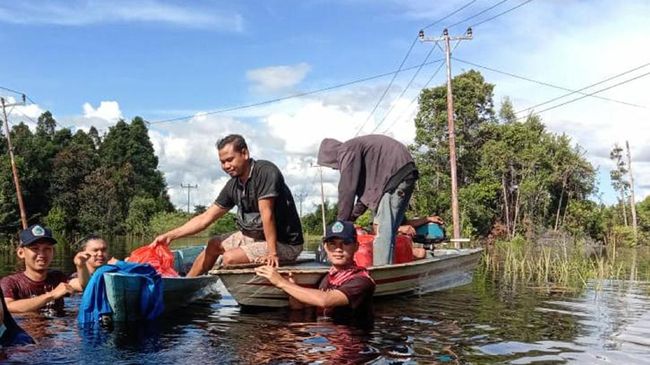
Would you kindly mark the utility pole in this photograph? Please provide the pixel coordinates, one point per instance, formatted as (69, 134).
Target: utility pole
(455, 213)
(633, 201)
(14, 169)
(301, 197)
(188, 187)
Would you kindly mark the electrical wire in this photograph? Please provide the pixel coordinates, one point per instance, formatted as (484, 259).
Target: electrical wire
(477, 14)
(590, 94)
(449, 15)
(551, 85)
(298, 95)
(500, 14)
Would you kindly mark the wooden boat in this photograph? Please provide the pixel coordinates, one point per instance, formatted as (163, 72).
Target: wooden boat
(123, 291)
(448, 268)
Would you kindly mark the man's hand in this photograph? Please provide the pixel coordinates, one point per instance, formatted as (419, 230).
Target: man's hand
(163, 239)
(81, 258)
(270, 273)
(436, 219)
(61, 290)
(407, 230)
(270, 259)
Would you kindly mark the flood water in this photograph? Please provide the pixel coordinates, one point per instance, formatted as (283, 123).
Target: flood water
(481, 323)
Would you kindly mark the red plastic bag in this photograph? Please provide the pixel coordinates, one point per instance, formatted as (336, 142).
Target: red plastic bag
(160, 257)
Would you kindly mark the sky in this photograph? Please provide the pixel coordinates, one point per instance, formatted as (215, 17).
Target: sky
(189, 67)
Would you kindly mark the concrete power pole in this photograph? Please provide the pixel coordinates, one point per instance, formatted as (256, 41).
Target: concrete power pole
(633, 201)
(301, 197)
(14, 169)
(455, 213)
(188, 187)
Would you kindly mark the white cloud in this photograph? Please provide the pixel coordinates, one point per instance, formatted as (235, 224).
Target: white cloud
(277, 78)
(81, 13)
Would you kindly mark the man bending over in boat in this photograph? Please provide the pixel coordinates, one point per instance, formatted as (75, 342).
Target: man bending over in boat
(38, 287)
(268, 222)
(345, 293)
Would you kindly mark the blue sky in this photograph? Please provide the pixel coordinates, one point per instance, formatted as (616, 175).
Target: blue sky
(92, 62)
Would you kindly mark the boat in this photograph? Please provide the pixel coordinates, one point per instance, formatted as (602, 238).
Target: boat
(123, 290)
(447, 268)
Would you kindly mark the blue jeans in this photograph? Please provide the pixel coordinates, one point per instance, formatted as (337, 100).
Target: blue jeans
(388, 218)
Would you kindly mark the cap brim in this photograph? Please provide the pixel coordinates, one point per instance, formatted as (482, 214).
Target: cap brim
(49, 240)
(332, 236)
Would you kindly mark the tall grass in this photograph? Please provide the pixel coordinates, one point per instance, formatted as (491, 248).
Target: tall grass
(563, 265)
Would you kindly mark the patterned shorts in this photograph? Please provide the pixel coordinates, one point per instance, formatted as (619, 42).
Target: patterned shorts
(257, 249)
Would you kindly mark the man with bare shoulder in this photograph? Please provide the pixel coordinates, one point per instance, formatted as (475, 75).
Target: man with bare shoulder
(268, 222)
(38, 287)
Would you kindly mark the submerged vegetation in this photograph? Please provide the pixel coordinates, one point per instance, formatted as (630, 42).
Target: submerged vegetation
(565, 266)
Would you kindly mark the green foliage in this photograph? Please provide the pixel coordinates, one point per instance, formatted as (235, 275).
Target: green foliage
(82, 182)
(227, 224)
(511, 173)
(162, 222)
(312, 223)
(141, 209)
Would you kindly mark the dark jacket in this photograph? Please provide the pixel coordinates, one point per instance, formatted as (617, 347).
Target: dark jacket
(370, 166)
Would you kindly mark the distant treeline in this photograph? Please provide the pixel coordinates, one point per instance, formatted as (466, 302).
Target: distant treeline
(515, 177)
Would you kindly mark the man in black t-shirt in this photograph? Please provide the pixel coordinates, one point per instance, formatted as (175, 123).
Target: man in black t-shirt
(345, 293)
(268, 222)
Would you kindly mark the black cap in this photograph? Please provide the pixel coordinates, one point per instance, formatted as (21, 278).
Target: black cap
(35, 233)
(341, 229)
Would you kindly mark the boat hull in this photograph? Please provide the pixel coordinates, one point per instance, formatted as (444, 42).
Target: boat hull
(123, 290)
(448, 269)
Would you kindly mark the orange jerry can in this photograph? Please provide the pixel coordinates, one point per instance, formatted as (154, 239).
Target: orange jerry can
(403, 251)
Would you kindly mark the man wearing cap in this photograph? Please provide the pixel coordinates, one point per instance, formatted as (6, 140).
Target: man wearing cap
(345, 293)
(38, 287)
(379, 172)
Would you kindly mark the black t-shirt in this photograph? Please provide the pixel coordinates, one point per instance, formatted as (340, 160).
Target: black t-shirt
(359, 290)
(266, 181)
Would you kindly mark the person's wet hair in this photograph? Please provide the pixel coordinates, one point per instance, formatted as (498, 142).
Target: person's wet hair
(80, 245)
(238, 142)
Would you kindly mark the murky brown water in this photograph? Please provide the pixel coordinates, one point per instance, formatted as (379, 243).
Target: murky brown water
(481, 323)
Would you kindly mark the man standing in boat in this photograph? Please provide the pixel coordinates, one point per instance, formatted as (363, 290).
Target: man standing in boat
(380, 173)
(345, 293)
(268, 222)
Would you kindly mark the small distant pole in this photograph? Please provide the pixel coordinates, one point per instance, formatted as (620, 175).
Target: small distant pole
(14, 169)
(188, 187)
(301, 197)
(322, 199)
(455, 213)
(633, 201)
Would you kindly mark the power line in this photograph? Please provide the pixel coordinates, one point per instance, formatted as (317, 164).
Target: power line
(449, 15)
(584, 88)
(590, 94)
(501, 13)
(477, 14)
(408, 53)
(414, 99)
(404, 90)
(18, 92)
(544, 83)
(298, 95)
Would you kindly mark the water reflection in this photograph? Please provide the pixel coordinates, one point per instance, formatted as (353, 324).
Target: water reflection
(482, 323)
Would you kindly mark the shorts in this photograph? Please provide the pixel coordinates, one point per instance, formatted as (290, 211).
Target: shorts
(255, 249)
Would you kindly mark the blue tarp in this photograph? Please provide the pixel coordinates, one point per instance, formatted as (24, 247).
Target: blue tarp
(13, 334)
(94, 302)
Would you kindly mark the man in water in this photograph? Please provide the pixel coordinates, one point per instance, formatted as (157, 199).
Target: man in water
(97, 248)
(380, 173)
(268, 222)
(345, 293)
(39, 287)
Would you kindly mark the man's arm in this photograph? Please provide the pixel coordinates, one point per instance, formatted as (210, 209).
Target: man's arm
(350, 175)
(83, 275)
(308, 296)
(270, 232)
(194, 225)
(38, 302)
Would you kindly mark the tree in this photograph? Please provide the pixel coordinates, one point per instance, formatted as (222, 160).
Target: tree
(617, 175)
